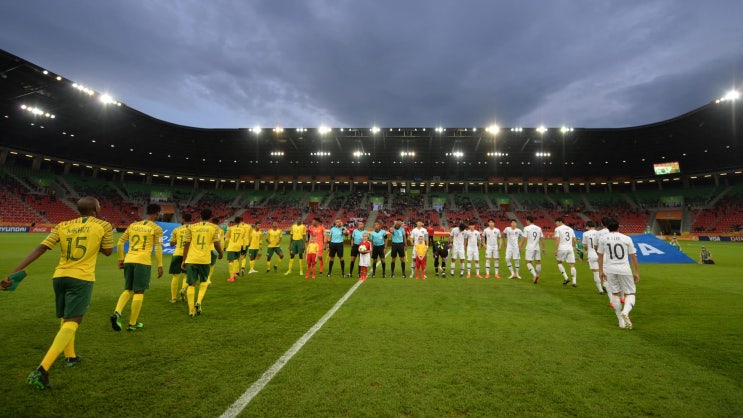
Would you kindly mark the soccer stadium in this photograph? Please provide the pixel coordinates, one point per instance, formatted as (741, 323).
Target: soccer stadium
(274, 344)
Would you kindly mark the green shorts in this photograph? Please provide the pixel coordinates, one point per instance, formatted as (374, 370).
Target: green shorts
(72, 296)
(296, 247)
(137, 277)
(252, 254)
(175, 265)
(214, 257)
(272, 250)
(233, 255)
(197, 273)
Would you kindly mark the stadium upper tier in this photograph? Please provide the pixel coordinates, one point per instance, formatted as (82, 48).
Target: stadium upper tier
(45, 114)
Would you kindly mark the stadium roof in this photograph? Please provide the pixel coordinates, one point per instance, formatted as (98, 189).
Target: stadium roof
(46, 114)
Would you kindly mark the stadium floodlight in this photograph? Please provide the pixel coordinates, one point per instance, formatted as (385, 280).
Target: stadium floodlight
(439, 129)
(541, 129)
(323, 129)
(543, 154)
(517, 129)
(493, 129)
(732, 95)
(407, 154)
(375, 129)
(456, 154)
(256, 130)
(278, 129)
(566, 129)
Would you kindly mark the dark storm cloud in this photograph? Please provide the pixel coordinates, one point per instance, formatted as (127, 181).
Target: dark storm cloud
(393, 63)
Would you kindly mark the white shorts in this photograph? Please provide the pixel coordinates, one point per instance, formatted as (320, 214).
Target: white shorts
(473, 254)
(364, 259)
(457, 253)
(567, 256)
(491, 252)
(535, 255)
(620, 283)
(593, 263)
(512, 253)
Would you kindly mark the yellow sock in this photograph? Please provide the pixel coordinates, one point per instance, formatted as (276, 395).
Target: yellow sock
(211, 272)
(174, 286)
(202, 291)
(300, 266)
(191, 292)
(243, 260)
(137, 301)
(291, 264)
(69, 349)
(185, 282)
(123, 299)
(64, 335)
(252, 264)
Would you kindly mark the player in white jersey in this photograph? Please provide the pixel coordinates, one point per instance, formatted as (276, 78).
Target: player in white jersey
(599, 234)
(473, 239)
(618, 268)
(564, 243)
(590, 242)
(457, 248)
(491, 236)
(512, 234)
(534, 247)
(418, 231)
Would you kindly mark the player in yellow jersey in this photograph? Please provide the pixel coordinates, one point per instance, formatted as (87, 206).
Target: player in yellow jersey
(221, 229)
(236, 238)
(143, 237)
(176, 241)
(197, 254)
(244, 251)
(80, 241)
(254, 247)
(273, 238)
(298, 235)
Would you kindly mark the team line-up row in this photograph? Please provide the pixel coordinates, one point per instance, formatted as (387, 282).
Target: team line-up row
(611, 257)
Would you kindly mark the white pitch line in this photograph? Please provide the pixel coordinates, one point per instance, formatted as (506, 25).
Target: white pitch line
(259, 384)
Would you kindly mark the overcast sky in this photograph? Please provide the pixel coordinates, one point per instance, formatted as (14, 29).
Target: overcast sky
(392, 63)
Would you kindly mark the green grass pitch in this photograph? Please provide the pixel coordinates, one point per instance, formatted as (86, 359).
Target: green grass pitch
(439, 347)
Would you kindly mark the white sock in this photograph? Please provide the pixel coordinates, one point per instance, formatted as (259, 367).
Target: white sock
(597, 280)
(531, 269)
(487, 266)
(617, 305)
(469, 265)
(574, 273)
(497, 266)
(562, 271)
(510, 267)
(517, 267)
(629, 303)
(539, 269)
